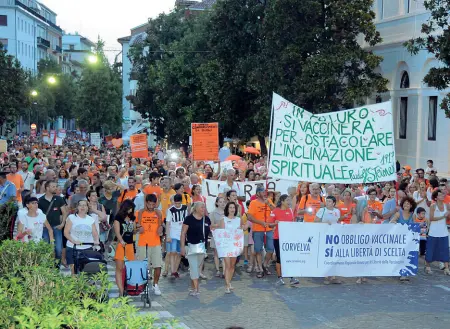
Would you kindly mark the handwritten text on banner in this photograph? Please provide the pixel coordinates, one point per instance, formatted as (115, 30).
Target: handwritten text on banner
(229, 243)
(351, 146)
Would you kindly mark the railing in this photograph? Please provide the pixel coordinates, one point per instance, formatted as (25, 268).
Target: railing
(57, 49)
(35, 13)
(43, 42)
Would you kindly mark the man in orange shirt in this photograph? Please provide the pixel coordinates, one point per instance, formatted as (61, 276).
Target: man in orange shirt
(311, 203)
(259, 214)
(17, 180)
(130, 193)
(149, 243)
(153, 187)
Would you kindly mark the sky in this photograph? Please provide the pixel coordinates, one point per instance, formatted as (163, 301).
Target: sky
(111, 19)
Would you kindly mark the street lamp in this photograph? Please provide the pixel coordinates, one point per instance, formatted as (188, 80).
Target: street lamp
(92, 59)
(34, 93)
(51, 80)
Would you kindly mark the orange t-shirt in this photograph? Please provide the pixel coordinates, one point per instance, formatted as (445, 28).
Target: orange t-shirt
(346, 211)
(156, 190)
(150, 222)
(374, 205)
(447, 199)
(17, 180)
(127, 195)
(165, 201)
(308, 201)
(260, 211)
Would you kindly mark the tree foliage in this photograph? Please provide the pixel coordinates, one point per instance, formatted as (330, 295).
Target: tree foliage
(223, 65)
(436, 42)
(98, 101)
(14, 91)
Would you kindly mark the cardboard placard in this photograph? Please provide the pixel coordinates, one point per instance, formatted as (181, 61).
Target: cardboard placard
(205, 141)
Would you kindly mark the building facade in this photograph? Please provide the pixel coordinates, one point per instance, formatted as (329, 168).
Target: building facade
(29, 32)
(421, 128)
(132, 120)
(76, 51)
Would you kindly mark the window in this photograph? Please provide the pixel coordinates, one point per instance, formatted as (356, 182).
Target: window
(432, 114)
(3, 20)
(72, 47)
(408, 6)
(403, 117)
(404, 82)
(5, 43)
(382, 9)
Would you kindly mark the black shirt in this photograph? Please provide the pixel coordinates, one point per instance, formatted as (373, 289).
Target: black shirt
(55, 212)
(195, 233)
(126, 229)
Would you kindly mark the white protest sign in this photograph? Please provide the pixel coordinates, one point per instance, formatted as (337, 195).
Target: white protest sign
(58, 141)
(224, 166)
(96, 140)
(229, 243)
(351, 146)
(210, 189)
(319, 250)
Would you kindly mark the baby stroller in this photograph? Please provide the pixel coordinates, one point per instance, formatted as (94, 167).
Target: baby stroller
(137, 279)
(88, 261)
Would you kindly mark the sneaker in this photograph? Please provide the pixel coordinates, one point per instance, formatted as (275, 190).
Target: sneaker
(156, 290)
(280, 281)
(245, 262)
(441, 266)
(294, 281)
(176, 275)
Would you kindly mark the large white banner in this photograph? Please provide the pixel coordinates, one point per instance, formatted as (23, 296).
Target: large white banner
(210, 189)
(351, 146)
(319, 250)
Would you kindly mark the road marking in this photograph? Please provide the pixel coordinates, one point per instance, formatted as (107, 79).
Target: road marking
(442, 287)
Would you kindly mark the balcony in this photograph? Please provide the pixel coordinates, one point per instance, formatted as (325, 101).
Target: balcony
(43, 43)
(57, 49)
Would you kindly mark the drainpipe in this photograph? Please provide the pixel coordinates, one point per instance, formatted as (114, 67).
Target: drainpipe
(420, 124)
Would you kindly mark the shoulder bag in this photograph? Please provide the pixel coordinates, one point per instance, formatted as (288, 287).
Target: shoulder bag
(198, 248)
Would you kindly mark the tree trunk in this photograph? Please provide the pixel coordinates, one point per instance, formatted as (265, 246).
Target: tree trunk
(262, 143)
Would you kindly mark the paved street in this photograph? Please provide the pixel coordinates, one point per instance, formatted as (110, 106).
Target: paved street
(258, 303)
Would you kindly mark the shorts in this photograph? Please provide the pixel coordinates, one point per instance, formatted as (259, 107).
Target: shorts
(153, 254)
(245, 240)
(173, 246)
(258, 238)
(122, 252)
(276, 244)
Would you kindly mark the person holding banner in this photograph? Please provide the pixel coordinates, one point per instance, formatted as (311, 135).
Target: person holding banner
(373, 211)
(216, 216)
(230, 221)
(282, 213)
(347, 208)
(437, 241)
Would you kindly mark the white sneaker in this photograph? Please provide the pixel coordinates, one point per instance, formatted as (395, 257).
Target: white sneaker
(441, 266)
(156, 290)
(280, 281)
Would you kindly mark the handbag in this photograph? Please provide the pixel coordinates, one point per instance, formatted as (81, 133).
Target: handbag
(197, 248)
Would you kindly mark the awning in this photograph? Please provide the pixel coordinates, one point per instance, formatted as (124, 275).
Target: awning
(136, 128)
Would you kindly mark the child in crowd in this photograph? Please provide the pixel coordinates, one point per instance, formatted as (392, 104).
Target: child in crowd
(420, 218)
(430, 169)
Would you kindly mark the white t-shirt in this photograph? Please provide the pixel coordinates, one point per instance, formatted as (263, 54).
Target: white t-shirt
(28, 179)
(232, 223)
(35, 224)
(81, 230)
(224, 188)
(327, 215)
(139, 201)
(23, 211)
(175, 216)
(438, 228)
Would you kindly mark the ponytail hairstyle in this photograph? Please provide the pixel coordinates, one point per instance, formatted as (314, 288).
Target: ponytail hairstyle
(281, 199)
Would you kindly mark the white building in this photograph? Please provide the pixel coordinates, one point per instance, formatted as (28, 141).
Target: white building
(132, 120)
(29, 32)
(76, 50)
(422, 131)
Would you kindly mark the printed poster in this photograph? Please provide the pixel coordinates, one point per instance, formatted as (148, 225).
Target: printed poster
(205, 141)
(354, 250)
(139, 146)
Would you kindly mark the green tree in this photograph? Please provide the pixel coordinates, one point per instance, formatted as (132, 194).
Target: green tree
(14, 90)
(98, 101)
(436, 42)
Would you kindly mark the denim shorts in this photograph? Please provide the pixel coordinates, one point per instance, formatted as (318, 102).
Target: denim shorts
(173, 246)
(258, 239)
